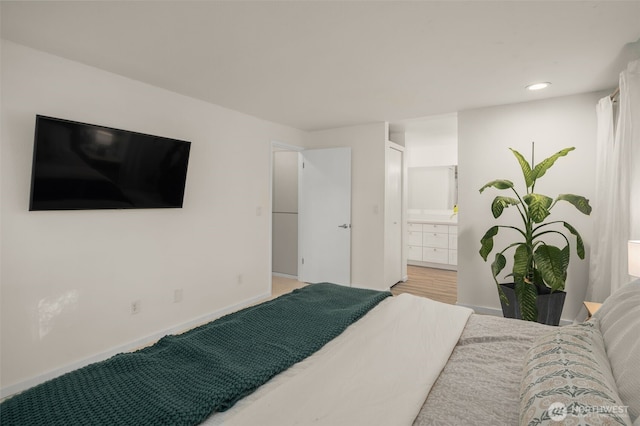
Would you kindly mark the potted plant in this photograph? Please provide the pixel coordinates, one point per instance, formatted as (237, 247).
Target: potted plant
(539, 269)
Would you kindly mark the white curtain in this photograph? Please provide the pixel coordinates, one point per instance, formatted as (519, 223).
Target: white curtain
(616, 207)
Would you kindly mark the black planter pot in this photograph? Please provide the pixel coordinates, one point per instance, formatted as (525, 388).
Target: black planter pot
(549, 305)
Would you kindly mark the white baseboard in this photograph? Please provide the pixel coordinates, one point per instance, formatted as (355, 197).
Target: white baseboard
(7, 391)
(447, 266)
(483, 310)
(278, 274)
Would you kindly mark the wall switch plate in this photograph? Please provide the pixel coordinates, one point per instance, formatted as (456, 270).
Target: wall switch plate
(177, 295)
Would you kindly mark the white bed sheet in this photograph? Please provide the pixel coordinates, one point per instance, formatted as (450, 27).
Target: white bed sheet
(378, 371)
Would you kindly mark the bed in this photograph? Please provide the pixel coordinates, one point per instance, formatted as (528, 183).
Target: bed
(389, 361)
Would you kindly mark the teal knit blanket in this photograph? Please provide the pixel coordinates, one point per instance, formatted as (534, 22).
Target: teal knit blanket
(182, 379)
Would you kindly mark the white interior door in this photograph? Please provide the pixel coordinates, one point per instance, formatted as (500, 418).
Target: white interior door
(393, 217)
(325, 216)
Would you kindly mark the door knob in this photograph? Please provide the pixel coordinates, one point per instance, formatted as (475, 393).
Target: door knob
(345, 226)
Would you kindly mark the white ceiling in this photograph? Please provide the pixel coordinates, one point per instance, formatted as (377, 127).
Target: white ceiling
(325, 64)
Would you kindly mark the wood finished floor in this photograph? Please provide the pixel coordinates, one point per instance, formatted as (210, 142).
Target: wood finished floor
(281, 285)
(436, 284)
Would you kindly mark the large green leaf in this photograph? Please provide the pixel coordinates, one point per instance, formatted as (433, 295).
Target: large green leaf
(551, 264)
(579, 242)
(525, 166)
(487, 242)
(578, 201)
(498, 265)
(537, 278)
(541, 168)
(566, 256)
(499, 184)
(538, 206)
(527, 294)
(500, 203)
(521, 261)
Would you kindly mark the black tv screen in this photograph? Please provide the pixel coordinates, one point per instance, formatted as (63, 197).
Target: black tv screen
(79, 166)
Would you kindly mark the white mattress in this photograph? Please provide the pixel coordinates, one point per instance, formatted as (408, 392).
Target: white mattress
(378, 371)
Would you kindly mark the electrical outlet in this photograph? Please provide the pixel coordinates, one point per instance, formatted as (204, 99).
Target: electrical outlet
(135, 307)
(177, 295)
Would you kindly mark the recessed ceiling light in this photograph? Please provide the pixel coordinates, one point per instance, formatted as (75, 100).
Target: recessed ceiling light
(538, 86)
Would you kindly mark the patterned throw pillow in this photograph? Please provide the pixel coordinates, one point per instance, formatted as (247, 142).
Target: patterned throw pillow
(619, 322)
(567, 380)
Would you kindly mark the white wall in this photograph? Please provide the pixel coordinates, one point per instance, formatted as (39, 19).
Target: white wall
(431, 145)
(68, 277)
(432, 141)
(432, 188)
(431, 155)
(367, 144)
(484, 136)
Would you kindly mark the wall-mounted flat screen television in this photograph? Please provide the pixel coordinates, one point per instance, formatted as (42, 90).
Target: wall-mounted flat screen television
(78, 166)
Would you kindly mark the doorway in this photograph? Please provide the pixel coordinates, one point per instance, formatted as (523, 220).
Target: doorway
(284, 216)
(431, 155)
(311, 215)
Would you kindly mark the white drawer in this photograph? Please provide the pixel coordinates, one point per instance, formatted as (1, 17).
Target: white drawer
(430, 227)
(414, 227)
(414, 253)
(414, 238)
(453, 242)
(434, 239)
(453, 257)
(435, 255)
(453, 229)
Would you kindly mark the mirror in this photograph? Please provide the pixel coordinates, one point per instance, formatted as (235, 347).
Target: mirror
(432, 188)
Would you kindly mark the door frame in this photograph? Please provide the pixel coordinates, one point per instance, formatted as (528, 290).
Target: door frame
(403, 202)
(391, 146)
(274, 147)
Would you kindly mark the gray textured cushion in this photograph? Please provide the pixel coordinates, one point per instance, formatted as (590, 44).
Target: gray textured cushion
(567, 378)
(619, 319)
